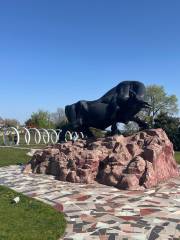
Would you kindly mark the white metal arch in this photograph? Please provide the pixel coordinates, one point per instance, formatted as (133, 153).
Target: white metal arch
(51, 133)
(37, 133)
(44, 132)
(11, 129)
(58, 132)
(81, 135)
(68, 134)
(46, 135)
(75, 136)
(2, 133)
(27, 135)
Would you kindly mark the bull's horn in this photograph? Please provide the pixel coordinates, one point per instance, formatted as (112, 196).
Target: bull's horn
(147, 105)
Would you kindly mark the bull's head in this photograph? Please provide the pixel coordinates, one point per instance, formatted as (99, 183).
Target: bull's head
(138, 101)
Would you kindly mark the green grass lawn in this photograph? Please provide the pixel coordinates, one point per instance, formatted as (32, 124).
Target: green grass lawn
(11, 156)
(29, 219)
(177, 157)
(14, 155)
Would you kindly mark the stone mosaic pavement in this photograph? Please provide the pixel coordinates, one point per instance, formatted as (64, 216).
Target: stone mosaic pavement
(102, 212)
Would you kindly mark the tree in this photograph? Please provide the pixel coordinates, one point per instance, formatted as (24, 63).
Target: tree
(11, 122)
(40, 119)
(58, 118)
(160, 102)
(171, 125)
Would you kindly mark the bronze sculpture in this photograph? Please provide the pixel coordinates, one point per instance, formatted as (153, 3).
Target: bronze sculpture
(120, 104)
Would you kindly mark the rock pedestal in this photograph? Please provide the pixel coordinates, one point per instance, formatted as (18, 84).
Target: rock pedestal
(135, 162)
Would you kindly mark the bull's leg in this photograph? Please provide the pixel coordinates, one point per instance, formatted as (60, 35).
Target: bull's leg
(71, 113)
(87, 132)
(142, 124)
(64, 129)
(114, 129)
(81, 108)
(113, 109)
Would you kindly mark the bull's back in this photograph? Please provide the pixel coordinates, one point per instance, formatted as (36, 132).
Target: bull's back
(123, 90)
(126, 88)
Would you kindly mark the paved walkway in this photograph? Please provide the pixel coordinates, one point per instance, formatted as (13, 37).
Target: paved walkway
(104, 213)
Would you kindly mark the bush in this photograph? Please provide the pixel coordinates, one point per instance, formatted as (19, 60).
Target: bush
(171, 126)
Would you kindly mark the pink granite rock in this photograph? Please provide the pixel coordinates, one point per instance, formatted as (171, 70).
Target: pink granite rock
(136, 162)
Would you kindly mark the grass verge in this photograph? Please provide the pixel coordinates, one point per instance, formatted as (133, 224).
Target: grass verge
(177, 157)
(12, 156)
(29, 219)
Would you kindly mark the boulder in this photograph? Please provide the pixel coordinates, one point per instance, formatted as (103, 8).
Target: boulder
(140, 161)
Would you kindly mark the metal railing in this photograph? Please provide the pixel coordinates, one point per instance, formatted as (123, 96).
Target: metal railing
(23, 135)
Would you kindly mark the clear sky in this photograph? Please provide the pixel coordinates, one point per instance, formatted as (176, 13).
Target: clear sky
(56, 52)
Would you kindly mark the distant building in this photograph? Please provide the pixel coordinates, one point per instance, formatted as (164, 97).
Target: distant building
(1, 122)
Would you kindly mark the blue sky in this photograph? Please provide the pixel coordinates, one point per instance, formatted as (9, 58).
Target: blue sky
(55, 52)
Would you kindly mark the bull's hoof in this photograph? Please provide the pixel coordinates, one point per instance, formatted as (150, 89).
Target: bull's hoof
(144, 126)
(116, 132)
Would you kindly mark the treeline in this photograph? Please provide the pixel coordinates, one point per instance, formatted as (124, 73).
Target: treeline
(39, 119)
(9, 122)
(45, 119)
(162, 114)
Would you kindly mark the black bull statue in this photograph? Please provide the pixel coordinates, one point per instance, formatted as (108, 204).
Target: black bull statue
(120, 104)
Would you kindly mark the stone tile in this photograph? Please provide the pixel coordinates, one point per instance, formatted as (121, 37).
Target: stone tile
(95, 211)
